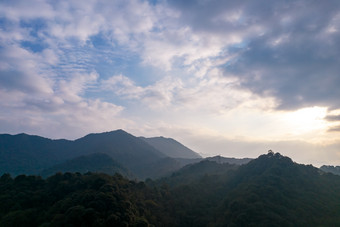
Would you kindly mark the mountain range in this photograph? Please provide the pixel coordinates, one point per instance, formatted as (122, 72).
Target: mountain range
(108, 152)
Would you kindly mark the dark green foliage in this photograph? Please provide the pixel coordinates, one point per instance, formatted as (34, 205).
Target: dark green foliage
(97, 162)
(271, 190)
(195, 172)
(274, 191)
(76, 200)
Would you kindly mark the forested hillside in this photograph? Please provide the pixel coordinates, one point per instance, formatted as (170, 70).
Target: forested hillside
(271, 190)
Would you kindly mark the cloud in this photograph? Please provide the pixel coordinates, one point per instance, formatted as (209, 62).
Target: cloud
(287, 50)
(333, 118)
(158, 95)
(335, 121)
(23, 10)
(23, 70)
(56, 118)
(65, 113)
(72, 67)
(334, 129)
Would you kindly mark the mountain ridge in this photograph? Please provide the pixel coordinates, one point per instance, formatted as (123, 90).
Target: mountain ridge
(31, 154)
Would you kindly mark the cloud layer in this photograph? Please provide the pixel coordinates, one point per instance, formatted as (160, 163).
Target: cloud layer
(68, 68)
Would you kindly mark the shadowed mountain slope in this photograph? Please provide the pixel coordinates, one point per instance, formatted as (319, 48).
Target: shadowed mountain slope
(236, 161)
(97, 162)
(26, 154)
(171, 147)
(331, 169)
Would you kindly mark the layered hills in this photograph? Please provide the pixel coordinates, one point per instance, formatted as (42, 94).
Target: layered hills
(26, 154)
(331, 169)
(270, 190)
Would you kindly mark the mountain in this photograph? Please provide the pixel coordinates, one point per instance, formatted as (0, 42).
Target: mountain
(171, 148)
(26, 154)
(331, 169)
(273, 190)
(236, 161)
(96, 162)
(195, 171)
(270, 190)
(132, 152)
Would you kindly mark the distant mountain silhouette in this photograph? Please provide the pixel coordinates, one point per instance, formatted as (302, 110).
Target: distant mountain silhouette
(96, 162)
(27, 154)
(132, 152)
(237, 161)
(171, 147)
(331, 169)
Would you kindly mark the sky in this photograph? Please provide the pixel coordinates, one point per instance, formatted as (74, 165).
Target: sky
(230, 78)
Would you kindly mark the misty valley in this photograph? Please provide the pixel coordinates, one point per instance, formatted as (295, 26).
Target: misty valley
(117, 179)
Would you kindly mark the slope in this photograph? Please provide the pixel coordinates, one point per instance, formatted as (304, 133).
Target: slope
(171, 147)
(130, 151)
(331, 169)
(236, 161)
(28, 154)
(96, 162)
(272, 190)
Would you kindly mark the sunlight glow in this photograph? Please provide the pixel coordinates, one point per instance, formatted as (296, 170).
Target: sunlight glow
(306, 120)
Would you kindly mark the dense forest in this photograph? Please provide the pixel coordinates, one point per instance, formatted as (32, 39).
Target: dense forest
(271, 190)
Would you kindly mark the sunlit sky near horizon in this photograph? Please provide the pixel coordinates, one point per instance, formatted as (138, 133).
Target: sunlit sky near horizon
(231, 78)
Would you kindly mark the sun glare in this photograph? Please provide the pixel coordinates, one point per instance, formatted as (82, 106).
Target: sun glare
(306, 120)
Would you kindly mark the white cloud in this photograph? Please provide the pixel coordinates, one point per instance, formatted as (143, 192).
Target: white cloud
(56, 118)
(26, 10)
(158, 95)
(73, 88)
(23, 70)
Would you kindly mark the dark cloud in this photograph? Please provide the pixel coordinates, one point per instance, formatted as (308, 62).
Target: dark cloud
(333, 118)
(335, 129)
(293, 73)
(290, 49)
